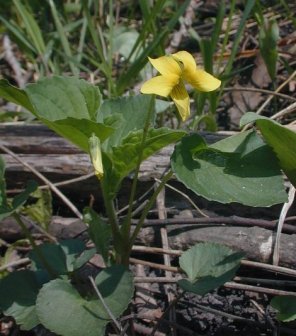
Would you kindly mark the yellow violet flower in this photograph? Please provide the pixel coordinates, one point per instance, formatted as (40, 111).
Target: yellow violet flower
(175, 70)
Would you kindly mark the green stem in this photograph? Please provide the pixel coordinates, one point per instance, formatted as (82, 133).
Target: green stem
(126, 226)
(149, 205)
(35, 247)
(110, 210)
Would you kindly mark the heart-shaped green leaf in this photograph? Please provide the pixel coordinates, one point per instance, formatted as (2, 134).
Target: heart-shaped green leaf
(208, 266)
(286, 306)
(69, 106)
(281, 139)
(18, 293)
(62, 310)
(241, 168)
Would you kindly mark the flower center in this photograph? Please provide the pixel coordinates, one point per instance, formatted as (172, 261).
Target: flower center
(180, 63)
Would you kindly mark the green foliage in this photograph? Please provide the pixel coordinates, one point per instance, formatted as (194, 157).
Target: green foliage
(18, 292)
(133, 70)
(62, 36)
(59, 296)
(208, 266)
(268, 37)
(60, 257)
(59, 97)
(124, 41)
(281, 139)
(69, 106)
(99, 232)
(15, 95)
(125, 157)
(7, 209)
(58, 37)
(66, 104)
(41, 210)
(240, 168)
(286, 306)
(128, 114)
(32, 299)
(208, 48)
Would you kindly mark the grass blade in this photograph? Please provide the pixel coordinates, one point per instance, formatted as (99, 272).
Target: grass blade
(63, 38)
(128, 76)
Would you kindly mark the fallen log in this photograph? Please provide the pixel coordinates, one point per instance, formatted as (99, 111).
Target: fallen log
(59, 160)
(53, 156)
(257, 243)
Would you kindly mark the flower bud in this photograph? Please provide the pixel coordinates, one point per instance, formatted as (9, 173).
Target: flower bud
(96, 155)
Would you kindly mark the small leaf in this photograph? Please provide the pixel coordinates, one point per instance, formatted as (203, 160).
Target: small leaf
(113, 283)
(239, 169)
(62, 310)
(286, 306)
(84, 257)
(208, 121)
(99, 232)
(208, 266)
(54, 256)
(124, 41)
(132, 112)
(281, 139)
(18, 201)
(72, 248)
(161, 105)
(21, 198)
(41, 210)
(125, 157)
(79, 130)
(18, 293)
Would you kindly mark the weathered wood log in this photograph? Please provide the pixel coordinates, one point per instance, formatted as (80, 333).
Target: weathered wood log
(257, 243)
(51, 154)
(59, 161)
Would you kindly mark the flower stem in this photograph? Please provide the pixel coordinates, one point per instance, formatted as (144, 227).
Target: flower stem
(149, 205)
(126, 226)
(109, 206)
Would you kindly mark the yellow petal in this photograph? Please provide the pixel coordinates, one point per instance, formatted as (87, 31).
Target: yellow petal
(160, 85)
(166, 65)
(181, 99)
(203, 81)
(187, 60)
